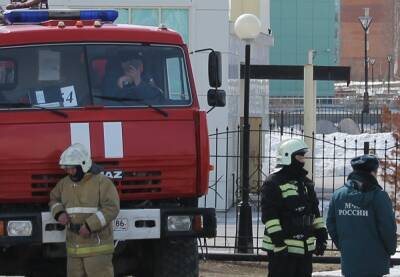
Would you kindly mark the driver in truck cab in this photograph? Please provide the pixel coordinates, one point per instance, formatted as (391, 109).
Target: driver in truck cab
(86, 202)
(131, 82)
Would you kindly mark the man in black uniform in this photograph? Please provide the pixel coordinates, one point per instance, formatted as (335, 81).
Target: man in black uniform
(294, 229)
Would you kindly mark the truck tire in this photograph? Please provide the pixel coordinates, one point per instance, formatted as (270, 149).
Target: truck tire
(178, 258)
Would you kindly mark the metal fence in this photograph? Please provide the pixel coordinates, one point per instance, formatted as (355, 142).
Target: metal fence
(330, 166)
(372, 121)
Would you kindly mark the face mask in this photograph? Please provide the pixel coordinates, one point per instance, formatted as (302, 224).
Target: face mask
(295, 163)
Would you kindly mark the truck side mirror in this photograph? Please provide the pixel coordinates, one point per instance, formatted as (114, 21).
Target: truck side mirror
(214, 69)
(216, 98)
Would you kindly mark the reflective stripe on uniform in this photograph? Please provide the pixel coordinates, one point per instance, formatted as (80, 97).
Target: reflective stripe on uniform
(311, 247)
(81, 210)
(295, 246)
(318, 223)
(78, 251)
(288, 190)
(272, 226)
(274, 229)
(311, 240)
(295, 250)
(101, 218)
(289, 193)
(54, 206)
(272, 222)
(294, 242)
(267, 245)
(279, 249)
(287, 186)
(311, 243)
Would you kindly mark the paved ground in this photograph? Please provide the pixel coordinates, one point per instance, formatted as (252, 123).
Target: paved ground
(236, 269)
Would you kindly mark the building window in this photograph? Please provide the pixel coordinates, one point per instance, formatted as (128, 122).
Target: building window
(177, 19)
(123, 16)
(174, 18)
(146, 17)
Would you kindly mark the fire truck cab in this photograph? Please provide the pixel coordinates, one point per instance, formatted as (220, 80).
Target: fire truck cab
(61, 82)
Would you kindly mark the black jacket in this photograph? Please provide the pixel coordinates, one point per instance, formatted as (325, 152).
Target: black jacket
(290, 211)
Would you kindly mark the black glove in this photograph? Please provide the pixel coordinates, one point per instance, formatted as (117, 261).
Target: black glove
(320, 248)
(321, 235)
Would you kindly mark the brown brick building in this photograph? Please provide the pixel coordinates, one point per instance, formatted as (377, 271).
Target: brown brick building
(383, 37)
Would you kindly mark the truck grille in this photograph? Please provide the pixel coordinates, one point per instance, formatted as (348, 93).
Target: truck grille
(42, 184)
(140, 182)
(132, 182)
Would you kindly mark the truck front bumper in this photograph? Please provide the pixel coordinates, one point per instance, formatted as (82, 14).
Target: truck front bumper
(130, 224)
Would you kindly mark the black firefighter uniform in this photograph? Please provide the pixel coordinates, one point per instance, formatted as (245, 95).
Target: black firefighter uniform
(93, 201)
(292, 219)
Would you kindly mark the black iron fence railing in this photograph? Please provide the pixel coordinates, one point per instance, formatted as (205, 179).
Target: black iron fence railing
(334, 117)
(330, 161)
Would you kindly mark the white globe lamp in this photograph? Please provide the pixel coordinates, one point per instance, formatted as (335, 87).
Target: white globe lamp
(247, 26)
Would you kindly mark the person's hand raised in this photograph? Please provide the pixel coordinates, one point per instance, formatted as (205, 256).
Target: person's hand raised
(123, 81)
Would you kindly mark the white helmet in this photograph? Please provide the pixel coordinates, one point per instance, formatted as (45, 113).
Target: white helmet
(76, 154)
(287, 148)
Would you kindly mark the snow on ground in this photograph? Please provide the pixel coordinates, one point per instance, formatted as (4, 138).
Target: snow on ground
(394, 272)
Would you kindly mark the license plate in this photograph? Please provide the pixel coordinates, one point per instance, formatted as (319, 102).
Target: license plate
(120, 224)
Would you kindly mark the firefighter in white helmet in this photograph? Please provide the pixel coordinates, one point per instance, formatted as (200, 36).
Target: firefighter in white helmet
(294, 229)
(86, 202)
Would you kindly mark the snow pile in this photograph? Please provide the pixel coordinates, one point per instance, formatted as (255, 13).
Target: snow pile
(333, 152)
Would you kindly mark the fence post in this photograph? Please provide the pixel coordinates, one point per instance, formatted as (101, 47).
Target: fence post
(281, 123)
(366, 147)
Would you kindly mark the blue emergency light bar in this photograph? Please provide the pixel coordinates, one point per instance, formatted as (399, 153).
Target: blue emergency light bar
(38, 16)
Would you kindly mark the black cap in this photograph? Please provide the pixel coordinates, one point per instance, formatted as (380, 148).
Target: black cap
(366, 163)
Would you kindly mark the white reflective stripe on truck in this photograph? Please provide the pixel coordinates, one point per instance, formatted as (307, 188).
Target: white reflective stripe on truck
(112, 132)
(113, 142)
(80, 134)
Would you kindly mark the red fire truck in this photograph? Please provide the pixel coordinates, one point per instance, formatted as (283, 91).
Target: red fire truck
(60, 83)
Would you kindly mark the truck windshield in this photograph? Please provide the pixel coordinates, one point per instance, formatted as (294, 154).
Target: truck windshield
(76, 75)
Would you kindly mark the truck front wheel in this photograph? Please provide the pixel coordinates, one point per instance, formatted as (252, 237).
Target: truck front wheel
(177, 257)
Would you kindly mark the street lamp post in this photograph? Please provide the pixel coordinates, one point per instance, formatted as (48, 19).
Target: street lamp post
(247, 28)
(365, 23)
(389, 59)
(372, 62)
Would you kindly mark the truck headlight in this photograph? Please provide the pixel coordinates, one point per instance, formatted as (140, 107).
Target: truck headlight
(179, 223)
(19, 228)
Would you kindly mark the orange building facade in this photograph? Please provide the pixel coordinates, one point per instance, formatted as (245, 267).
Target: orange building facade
(383, 37)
